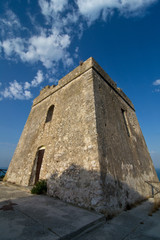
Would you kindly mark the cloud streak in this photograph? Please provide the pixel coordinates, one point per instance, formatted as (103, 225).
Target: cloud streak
(38, 79)
(49, 8)
(92, 9)
(9, 24)
(21, 91)
(45, 49)
(15, 91)
(157, 82)
(156, 85)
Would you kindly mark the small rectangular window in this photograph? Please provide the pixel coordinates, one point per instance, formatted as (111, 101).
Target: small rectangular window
(126, 122)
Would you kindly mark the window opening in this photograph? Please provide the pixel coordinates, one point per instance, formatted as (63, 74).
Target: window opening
(50, 114)
(126, 121)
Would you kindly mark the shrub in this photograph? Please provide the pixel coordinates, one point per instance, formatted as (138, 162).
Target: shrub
(40, 187)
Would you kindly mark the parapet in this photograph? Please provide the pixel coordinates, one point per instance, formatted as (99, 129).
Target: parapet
(82, 68)
(46, 88)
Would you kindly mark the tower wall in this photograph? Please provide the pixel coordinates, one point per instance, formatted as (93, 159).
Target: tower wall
(125, 162)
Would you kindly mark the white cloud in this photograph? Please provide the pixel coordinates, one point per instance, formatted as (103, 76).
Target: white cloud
(11, 46)
(21, 91)
(15, 91)
(60, 14)
(70, 18)
(157, 82)
(47, 49)
(43, 48)
(92, 9)
(157, 90)
(48, 8)
(76, 52)
(27, 94)
(38, 79)
(9, 24)
(12, 19)
(27, 85)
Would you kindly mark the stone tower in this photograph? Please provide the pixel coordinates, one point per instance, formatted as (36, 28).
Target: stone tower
(84, 138)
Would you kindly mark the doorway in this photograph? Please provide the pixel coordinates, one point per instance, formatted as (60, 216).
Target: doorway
(36, 168)
(40, 155)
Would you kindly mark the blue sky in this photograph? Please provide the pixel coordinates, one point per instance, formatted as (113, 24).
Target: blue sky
(43, 40)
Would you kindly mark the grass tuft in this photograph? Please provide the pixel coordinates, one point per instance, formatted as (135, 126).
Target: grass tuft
(40, 187)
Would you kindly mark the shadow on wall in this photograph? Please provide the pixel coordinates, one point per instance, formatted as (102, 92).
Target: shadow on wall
(88, 189)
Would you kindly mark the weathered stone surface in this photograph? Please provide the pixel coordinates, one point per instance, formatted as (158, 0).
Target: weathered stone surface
(95, 154)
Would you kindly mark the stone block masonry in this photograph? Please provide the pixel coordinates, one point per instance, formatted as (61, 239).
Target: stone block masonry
(84, 138)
